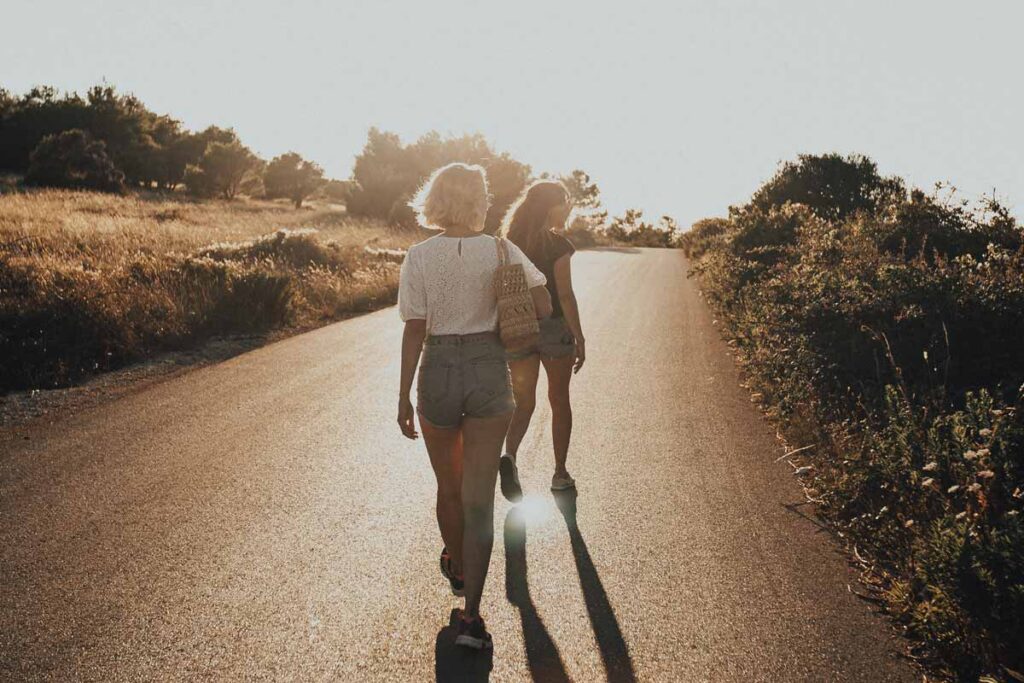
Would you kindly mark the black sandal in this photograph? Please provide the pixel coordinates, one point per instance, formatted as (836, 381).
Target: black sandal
(458, 586)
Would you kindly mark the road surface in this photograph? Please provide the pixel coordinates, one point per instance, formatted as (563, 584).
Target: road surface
(263, 519)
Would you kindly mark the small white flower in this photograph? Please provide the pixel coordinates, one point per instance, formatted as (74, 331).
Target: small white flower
(961, 515)
(1012, 513)
(974, 488)
(885, 508)
(970, 455)
(909, 523)
(953, 489)
(985, 433)
(986, 474)
(983, 452)
(931, 467)
(927, 482)
(998, 412)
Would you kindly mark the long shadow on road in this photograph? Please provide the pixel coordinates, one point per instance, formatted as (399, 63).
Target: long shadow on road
(614, 652)
(541, 652)
(456, 664)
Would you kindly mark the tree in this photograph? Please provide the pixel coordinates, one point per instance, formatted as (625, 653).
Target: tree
(830, 185)
(506, 179)
(670, 227)
(189, 148)
(583, 192)
(381, 176)
(73, 159)
(33, 116)
(221, 169)
(336, 190)
(387, 174)
(127, 127)
(631, 228)
(623, 226)
(149, 148)
(291, 176)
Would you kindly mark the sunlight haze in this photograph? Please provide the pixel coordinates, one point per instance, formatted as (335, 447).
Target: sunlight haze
(673, 107)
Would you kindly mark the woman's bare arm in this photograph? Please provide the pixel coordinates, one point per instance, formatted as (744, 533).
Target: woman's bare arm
(412, 344)
(570, 309)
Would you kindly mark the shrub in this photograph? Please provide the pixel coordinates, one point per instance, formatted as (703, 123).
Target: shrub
(336, 190)
(832, 186)
(73, 159)
(705, 235)
(886, 330)
(221, 170)
(631, 228)
(90, 282)
(291, 176)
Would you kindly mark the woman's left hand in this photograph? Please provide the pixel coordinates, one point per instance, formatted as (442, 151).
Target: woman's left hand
(406, 419)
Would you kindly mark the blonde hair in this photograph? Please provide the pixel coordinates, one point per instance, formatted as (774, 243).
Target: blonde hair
(455, 196)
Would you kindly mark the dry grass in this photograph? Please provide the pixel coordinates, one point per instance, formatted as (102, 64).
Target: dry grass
(90, 281)
(105, 229)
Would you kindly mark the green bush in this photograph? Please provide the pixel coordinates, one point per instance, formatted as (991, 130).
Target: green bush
(886, 329)
(221, 170)
(74, 160)
(291, 176)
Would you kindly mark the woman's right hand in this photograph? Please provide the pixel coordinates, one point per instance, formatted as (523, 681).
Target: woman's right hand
(580, 355)
(406, 419)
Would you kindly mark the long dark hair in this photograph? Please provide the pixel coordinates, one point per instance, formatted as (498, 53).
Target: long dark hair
(526, 222)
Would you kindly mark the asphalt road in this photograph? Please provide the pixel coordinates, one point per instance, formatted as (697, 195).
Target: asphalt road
(264, 519)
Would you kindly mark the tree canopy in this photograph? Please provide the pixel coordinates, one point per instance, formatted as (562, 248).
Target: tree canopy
(387, 173)
(291, 176)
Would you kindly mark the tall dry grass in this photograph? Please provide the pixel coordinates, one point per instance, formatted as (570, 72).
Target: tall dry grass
(91, 281)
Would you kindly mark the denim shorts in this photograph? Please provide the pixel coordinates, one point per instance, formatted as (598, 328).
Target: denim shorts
(463, 376)
(555, 341)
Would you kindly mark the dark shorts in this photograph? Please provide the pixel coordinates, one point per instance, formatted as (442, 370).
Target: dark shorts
(556, 341)
(463, 376)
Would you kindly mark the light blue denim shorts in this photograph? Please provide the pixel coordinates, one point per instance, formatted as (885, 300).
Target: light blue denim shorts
(463, 376)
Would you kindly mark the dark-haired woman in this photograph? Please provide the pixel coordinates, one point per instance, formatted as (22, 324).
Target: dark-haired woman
(533, 224)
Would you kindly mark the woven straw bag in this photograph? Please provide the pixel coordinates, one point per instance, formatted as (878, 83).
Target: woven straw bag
(517, 318)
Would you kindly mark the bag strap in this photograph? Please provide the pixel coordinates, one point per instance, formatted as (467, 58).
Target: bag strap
(499, 243)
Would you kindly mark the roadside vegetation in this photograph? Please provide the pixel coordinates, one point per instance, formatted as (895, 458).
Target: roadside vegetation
(111, 142)
(884, 330)
(123, 234)
(89, 281)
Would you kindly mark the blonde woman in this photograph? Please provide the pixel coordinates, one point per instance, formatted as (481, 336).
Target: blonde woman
(464, 394)
(534, 223)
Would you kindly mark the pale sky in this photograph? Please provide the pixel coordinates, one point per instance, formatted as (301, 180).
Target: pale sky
(673, 107)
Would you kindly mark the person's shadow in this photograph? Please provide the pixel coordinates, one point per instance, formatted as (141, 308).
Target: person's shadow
(541, 653)
(454, 663)
(614, 653)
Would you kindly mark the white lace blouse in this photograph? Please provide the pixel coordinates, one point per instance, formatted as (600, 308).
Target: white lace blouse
(448, 281)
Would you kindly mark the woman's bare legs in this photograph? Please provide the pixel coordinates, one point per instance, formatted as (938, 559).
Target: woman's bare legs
(524, 387)
(559, 371)
(445, 449)
(482, 437)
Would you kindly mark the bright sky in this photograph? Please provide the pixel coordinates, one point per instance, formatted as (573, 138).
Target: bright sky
(678, 107)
